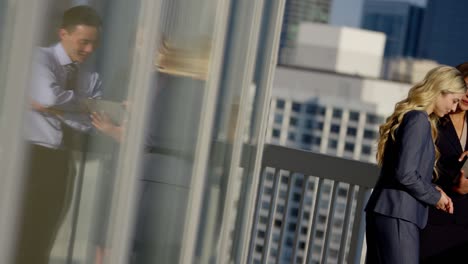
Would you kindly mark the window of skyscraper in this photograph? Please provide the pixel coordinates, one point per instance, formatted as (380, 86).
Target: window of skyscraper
(278, 118)
(263, 219)
(280, 208)
(278, 223)
(284, 179)
(289, 241)
(311, 108)
(349, 146)
(320, 125)
(301, 246)
(276, 133)
(296, 197)
(373, 119)
(296, 107)
(335, 128)
(321, 110)
(351, 131)
(311, 185)
(276, 236)
(306, 216)
(319, 233)
(261, 234)
(366, 150)
(294, 212)
(309, 124)
(259, 248)
(291, 136)
(353, 116)
(269, 176)
(306, 139)
(317, 141)
(293, 121)
(299, 181)
(292, 227)
(369, 134)
(337, 113)
(332, 143)
(304, 230)
(342, 191)
(280, 103)
(265, 205)
(283, 193)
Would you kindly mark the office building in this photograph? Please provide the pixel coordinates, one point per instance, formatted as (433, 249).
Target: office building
(338, 49)
(400, 21)
(409, 70)
(443, 34)
(295, 13)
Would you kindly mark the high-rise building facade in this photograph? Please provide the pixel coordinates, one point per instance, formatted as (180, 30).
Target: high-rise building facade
(400, 21)
(443, 35)
(295, 12)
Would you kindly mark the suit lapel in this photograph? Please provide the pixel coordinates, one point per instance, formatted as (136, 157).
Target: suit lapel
(447, 130)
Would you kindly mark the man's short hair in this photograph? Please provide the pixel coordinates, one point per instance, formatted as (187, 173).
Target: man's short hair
(463, 68)
(80, 15)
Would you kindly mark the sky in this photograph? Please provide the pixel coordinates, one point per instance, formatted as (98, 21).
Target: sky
(348, 12)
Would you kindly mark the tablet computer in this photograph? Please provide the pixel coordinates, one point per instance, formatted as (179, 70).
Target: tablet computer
(114, 110)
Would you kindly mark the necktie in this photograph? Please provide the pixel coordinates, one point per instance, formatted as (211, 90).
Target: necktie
(72, 76)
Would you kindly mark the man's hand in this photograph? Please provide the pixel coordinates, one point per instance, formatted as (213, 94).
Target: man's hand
(103, 123)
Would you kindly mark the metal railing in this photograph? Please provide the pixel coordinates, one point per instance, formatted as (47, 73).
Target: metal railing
(320, 231)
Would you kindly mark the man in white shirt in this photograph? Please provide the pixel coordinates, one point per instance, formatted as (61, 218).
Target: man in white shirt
(60, 82)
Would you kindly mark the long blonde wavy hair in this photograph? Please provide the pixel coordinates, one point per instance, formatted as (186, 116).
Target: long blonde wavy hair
(440, 80)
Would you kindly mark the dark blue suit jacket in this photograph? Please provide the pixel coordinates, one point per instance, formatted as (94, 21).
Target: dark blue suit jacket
(445, 238)
(449, 170)
(404, 188)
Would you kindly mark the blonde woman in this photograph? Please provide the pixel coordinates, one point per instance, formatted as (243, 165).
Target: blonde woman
(397, 209)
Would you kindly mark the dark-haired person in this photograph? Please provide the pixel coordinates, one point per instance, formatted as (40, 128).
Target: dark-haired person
(445, 238)
(60, 80)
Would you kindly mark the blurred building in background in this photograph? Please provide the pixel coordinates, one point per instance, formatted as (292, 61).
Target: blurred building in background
(443, 38)
(296, 12)
(338, 49)
(400, 21)
(410, 70)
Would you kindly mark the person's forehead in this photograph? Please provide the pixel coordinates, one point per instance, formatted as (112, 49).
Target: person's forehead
(84, 31)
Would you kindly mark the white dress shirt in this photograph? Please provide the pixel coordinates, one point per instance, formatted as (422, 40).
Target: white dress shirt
(49, 78)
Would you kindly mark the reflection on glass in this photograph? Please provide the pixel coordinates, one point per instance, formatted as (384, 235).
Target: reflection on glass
(69, 177)
(182, 62)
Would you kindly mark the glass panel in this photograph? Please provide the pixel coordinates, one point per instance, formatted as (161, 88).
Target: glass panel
(175, 117)
(70, 174)
(6, 17)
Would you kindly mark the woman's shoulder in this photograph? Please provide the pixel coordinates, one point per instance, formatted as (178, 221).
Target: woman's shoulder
(416, 117)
